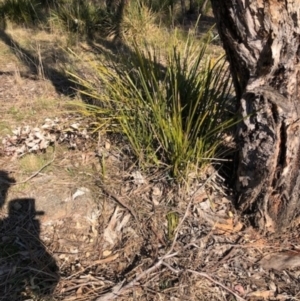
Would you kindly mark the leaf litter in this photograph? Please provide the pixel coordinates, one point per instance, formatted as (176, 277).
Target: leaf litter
(121, 249)
(127, 254)
(210, 242)
(26, 139)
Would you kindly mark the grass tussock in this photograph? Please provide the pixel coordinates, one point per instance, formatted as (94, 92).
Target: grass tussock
(80, 17)
(172, 113)
(21, 12)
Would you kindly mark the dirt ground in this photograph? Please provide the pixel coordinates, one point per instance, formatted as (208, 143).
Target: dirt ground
(80, 221)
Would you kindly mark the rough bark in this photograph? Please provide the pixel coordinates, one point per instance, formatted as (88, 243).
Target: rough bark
(261, 39)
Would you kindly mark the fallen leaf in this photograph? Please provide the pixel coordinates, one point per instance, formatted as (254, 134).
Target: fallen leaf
(106, 253)
(79, 292)
(238, 227)
(107, 145)
(138, 178)
(44, 144)
(110, 236)
(261, 294)
(240, 289)
(17, 131)
(200, 196)
(205, 205)
(79, 192)
(229, 225)
(75, 126)
(123, 223)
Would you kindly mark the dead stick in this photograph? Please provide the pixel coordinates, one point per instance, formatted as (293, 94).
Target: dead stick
(216, 282)
(31, 177)
(118, 290)
(100, 261)
(119, 201)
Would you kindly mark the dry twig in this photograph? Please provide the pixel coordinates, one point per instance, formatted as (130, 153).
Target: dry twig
(32, 176)
(100, 261)
(205, 275)
(119, 201)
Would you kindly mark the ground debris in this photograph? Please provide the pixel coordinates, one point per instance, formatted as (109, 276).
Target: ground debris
(28, 139)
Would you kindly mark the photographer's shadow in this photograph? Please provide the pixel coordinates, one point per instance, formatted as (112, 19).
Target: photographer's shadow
(27, 270)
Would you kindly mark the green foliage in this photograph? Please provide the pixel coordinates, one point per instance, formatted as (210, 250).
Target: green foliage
(21, 12)
(87, 17)
(175, 10)
(173, 113)
(77, 16)
(71, 16)
(138, 19)
(159, 6)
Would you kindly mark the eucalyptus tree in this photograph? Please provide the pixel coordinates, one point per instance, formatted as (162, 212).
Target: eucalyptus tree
(261, 39)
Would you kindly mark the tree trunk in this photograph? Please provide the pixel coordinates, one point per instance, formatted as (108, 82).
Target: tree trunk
(182, 4)
(261, 39)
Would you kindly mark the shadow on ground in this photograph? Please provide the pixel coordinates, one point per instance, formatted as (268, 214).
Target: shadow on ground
(59, 80)
(27, 270)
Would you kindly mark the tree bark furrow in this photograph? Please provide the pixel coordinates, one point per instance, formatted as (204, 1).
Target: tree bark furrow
(262, 42)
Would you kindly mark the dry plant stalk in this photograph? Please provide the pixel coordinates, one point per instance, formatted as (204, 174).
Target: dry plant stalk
(17, 75)
(40, 67)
